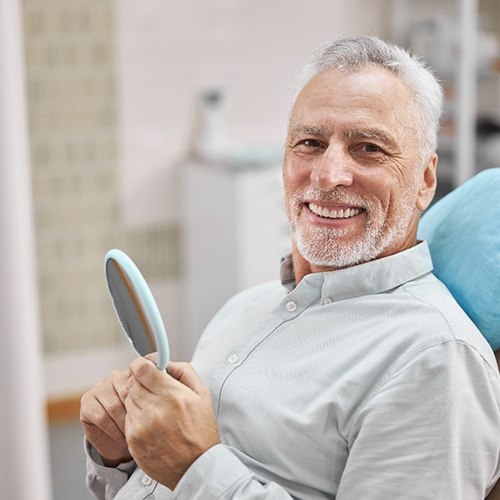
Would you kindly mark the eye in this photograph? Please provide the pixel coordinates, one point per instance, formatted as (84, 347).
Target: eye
(369, 152)
(370, 148)
(309, 145)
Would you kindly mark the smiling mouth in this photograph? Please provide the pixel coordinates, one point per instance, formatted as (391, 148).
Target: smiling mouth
(342, 213)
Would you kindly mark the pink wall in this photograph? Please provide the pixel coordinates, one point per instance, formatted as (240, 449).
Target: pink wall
(169, 51)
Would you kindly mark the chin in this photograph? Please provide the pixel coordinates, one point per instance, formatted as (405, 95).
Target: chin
(339, 256)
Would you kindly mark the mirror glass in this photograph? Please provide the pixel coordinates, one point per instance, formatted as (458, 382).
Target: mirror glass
(136, 307)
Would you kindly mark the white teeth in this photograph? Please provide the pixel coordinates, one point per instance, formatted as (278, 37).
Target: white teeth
(343, 213)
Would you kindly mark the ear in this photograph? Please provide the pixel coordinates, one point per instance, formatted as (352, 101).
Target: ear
(428, 184)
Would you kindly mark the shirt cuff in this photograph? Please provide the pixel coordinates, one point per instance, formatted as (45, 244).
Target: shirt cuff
(213, 475)
(95, 461)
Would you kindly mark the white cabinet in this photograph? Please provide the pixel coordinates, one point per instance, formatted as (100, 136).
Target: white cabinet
(234, 232)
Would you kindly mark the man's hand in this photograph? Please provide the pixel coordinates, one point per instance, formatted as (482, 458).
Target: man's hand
(170, 421)
(102, 414)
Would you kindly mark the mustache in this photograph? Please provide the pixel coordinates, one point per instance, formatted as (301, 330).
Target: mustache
(339, 195)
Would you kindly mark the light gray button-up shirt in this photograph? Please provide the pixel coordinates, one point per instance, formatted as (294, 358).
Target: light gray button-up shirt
(368, 382)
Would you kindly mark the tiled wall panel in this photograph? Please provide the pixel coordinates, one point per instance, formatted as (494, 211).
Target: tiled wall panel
(71, 86)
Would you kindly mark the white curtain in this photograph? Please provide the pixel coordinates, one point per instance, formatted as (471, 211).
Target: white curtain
(24, 462)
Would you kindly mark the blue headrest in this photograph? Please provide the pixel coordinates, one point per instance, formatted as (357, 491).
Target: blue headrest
(463, 233)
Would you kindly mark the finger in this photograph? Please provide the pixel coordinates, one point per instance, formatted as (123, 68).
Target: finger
(148, 375)
(135, 402)
(186, 375)
(152, 357)
(94, 414)
(137, 394)
(114, 409)
(119, 383)
(109, 394)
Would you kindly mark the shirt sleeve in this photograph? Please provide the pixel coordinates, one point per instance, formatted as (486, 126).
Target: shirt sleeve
(105, 482)
(431, 431)
(219, 474)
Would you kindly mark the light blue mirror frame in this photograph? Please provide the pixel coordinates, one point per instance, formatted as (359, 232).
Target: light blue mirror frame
(133, 284)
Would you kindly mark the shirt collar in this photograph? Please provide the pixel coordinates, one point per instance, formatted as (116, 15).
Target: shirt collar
(370, 278)
(287, 272)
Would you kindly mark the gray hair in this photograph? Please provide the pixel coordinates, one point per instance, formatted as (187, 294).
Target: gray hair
(354, 54)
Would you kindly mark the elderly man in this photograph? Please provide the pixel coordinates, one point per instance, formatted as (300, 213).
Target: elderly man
(357, 377)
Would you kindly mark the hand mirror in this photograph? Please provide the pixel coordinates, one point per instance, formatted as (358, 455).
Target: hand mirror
(135, 307)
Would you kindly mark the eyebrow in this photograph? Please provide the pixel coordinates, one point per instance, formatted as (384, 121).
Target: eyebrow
(370, 133)
(308, 130)
(377, 134)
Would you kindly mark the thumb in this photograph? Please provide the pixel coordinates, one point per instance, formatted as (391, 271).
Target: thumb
(186, 374)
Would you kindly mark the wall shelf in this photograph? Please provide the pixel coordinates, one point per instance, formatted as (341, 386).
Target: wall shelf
(460, 40)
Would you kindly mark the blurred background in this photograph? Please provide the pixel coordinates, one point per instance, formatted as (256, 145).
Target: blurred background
(157, 127)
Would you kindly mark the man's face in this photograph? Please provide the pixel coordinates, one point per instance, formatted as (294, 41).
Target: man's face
(354, 181)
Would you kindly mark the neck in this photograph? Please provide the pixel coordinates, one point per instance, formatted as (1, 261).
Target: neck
(301, 267)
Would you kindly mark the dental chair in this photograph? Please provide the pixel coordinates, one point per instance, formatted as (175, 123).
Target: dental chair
(463, 233)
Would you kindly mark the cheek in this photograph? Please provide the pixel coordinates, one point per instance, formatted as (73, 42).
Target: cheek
(402, 203)
(290, 202)
(296, 169)
(294, 186)
(396, 186)
(293, 178)
(385, 201)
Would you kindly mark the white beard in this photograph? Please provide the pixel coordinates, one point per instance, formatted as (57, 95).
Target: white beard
(325, 247)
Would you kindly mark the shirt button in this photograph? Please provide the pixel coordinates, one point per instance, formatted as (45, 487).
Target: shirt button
(327, 300)
(233, 358)
(291, 306)
(146, 480)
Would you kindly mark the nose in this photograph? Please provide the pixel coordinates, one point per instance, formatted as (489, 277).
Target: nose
(332, 169)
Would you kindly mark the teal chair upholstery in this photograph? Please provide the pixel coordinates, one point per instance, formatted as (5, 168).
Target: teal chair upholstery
(463, 233)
